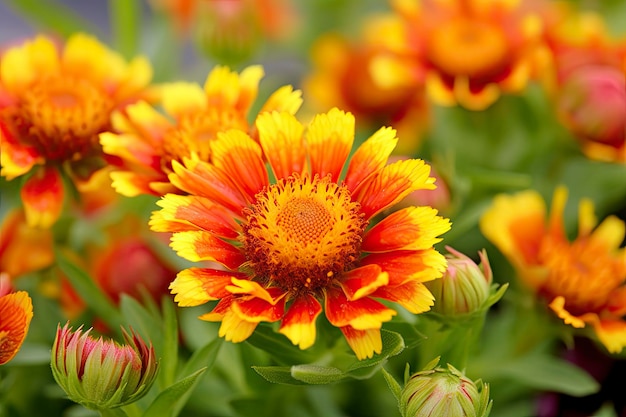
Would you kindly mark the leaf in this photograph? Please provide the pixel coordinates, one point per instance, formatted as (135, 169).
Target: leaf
(316, 374)
(277, 345)
(544, 372)
(277, 374)
(394, 386)
(169, 401)
(88, 290)
(169, 362)
(204, 357)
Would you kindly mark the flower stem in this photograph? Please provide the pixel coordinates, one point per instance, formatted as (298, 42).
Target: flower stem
(113, 412)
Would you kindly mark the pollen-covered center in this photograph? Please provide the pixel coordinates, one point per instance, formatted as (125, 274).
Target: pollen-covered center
(62, 117)
(468, 47)
(302, 233)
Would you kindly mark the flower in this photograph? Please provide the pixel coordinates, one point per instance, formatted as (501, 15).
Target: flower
(290, 245)
(465, 286)
(370, 81)
(582, 280)
(53, 105)
(16, 312)
(439, 392)
(472, 51)
(102, 374)
(148, 142)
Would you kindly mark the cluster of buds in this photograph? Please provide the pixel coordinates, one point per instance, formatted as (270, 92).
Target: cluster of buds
(102, 374)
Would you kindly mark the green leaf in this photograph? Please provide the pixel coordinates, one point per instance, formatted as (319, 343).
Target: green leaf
(394, 386)
(169, 402)
(545, 372)
(88, 290)
(316, 374)
(48, 15)
(169, 361)
(204, 357)
(281, 349)
(277, 374)
(125, 24)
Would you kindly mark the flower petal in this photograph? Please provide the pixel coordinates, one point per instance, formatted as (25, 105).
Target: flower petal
(391, 184)
(364, 343)
(16, 312)
(195, 286)
(361, 314)
(205, 180)
(612, 334)
(362, 281)
(233, 328)
(280, 135)
(329, 140)
(21, 65)
(15, 159)
(405, 266)
(199, 246)
(256, 310)
(412, 295)
(180, 213)
(298, 324)
(43, 195)
(370, 157)
(270, 295)
(131, 184)
(285, 99)
(412, 228)
(241, 159)
(558, 306)
(182, 98)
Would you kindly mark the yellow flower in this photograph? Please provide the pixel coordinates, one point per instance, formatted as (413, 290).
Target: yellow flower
(583, 280)
(472, 51)
(294, 244)
(53, 105)
(149, 142)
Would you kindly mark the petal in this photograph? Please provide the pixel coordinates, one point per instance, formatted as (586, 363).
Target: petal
(227, 89)
(131, 149)
(412, 295)
(556, 225)
(199, 246)
(612, 334)
(131, 184)
(203, 179)
(475, 98)
(412, 228)
(285, 99)
(364, 343)
(439, 91)
(84, 55)
(241, 159)
(298, 324)
(182, 98)
(270, 295)
(610, 233)
(405, 266)
(256, 310)
(329, 140)
(195, 286)
(181, 213)
(248, 87)
(359, 282)
(515, 224)
(361, 314)
(233, 328)
(21, 65)
(391, 184)
(15, 159)
(280, 135)
(143, 122)
(43, 195)
(558, 306)
(16, 312)
(370, 157)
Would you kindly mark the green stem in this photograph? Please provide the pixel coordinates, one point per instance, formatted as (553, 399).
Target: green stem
(113, 412)
(125, 23)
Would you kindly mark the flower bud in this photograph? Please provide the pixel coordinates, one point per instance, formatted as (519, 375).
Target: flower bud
(102, 374)
(465, 287)
(440, 392)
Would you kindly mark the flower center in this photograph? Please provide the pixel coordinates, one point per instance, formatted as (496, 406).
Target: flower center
(468, 47)
(195, 132)
(302, 233)
(62, 117)
(583, 273)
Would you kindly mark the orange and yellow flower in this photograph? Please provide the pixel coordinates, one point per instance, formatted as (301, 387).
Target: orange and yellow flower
(582, 280)
(368, 79)
(53, 105)
(149, 142)
(472, 51)
(16, 312)
(300, 244)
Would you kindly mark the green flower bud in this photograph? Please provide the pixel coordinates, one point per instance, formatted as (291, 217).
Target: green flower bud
(102, 374)
(464, 287)
(439, 392)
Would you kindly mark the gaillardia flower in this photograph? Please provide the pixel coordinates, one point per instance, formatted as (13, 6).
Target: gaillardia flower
(472, 51)
(102, 374)
(582, 280)
(290, 245)
(53, 105)
(148, 141)
(16, 312)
